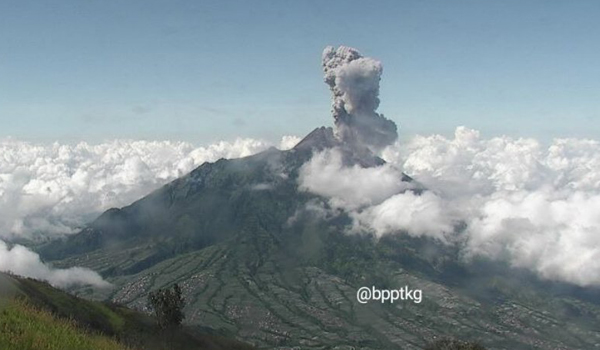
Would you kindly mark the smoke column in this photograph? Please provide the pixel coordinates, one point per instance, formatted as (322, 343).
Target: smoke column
(354, 83)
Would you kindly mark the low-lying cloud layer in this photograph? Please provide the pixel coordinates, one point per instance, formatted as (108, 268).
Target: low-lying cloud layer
(22, 261)
(536, 207)
(49, 190)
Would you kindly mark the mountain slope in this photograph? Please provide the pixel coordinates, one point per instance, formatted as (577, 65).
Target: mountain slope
(25, 327)
(38, 316)
(257, 258)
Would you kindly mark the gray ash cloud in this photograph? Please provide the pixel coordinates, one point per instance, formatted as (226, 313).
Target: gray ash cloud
(354, 83)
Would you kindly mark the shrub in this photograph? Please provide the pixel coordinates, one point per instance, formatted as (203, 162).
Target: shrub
(167, 305)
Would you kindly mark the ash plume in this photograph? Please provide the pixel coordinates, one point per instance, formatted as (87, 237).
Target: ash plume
(354, 83)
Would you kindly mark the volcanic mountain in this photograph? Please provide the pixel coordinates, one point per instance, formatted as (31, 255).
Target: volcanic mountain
(262, 260)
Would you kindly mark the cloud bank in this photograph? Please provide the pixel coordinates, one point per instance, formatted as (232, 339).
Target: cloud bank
(534, 206)
(22, 261)
(49, 190)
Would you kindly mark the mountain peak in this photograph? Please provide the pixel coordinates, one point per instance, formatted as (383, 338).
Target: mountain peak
(323, 138)
(318, 139)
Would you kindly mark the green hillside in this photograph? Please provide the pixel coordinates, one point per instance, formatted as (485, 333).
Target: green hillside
(35, 315)
(24, 327)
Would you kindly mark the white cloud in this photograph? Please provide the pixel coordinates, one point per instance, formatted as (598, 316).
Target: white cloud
(418, 215)
(349, 187)
(534, 206)
(289, 141)
(23, 262)
(52, 189)
(552, 232)
(375, 197)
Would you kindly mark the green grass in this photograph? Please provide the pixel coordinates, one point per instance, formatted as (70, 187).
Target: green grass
(24, 326)
(34, 315)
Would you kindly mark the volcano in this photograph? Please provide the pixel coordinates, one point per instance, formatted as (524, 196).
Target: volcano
(261, 259)
(258, 260)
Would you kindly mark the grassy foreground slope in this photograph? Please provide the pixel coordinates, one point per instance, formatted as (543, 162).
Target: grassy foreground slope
(23, 327)
(34, 315)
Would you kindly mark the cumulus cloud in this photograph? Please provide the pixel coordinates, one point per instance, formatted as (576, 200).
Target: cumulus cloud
(354, 83)
(288, 142)
(410, 212)
(350, 187)
(535, 206)
(23, 262)
(51, 189)
(376, 198)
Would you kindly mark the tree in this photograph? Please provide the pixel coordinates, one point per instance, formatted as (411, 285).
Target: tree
(167, 305)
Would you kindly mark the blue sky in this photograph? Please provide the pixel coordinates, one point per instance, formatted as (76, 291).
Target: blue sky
(201, 71)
